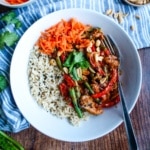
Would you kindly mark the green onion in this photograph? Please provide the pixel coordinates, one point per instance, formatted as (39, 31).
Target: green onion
(58, 61)
(75, 102)
(89, 87)
(7, 143)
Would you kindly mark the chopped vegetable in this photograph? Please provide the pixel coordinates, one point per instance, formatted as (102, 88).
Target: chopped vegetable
(63, 36)
(63, 90)
(111, 102)
(7, 143)
(75, 74)
(77, 90)
(89, 87)
(75, 103)
(108, 87)
(69, 59)
(75, 60)
(59, 62)
(3, 83)
(70, 82)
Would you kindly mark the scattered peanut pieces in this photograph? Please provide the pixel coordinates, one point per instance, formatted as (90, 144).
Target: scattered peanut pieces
(116, 15)
(137, 17)
(139, 2)
(120, 16)
(132, 27)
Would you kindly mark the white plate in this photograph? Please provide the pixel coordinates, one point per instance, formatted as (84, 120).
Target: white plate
(96, 126)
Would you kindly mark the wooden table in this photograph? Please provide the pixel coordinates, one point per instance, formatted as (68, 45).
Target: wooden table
(32, 139)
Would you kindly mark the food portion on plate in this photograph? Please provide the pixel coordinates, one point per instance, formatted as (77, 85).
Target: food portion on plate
(71, 73)
(137, 2)
(14, 2)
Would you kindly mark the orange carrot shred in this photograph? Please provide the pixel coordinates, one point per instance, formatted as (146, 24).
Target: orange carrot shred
(13, 2)
(63, 36)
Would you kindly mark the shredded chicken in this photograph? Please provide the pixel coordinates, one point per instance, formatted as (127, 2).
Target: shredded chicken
(112, 61)
(88, 104)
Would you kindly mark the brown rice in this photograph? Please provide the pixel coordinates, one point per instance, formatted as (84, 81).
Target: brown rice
(43, 82)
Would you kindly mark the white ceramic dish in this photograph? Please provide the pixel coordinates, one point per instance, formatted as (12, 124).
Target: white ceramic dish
(135, 5)
(96, 126)
(6, 4)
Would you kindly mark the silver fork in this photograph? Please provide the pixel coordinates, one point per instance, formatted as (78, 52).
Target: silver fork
(111, 45)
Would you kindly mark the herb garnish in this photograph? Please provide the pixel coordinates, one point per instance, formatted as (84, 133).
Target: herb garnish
(3, 83)
(9, 38)
(10, 18)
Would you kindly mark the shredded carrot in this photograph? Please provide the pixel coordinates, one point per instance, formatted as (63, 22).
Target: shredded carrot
(63, 36)
(13, 2)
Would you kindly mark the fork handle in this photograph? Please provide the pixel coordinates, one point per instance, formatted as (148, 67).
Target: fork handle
(128, 125)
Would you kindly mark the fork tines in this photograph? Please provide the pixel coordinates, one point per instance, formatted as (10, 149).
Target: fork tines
(111, 45)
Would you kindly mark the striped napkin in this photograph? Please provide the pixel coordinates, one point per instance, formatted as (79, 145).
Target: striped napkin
(135, 21)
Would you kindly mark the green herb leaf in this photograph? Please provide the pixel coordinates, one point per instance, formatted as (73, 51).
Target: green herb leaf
(78, 57)
(73, 59)
(83, 64)
(2, 43)
(17, 23)
(8, 17)
(8, 38)
(3, 83)
(68, 61)
(74, 74)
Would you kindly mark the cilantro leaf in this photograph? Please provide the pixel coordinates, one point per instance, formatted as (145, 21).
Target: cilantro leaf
(8, 38)
(76, 59)
(8, 17)
(2, 43)
(74, 74)
(17, 23)
(3, 83)
(83, 64)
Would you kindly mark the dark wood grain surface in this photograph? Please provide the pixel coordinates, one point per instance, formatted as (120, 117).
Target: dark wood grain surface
(32, 139)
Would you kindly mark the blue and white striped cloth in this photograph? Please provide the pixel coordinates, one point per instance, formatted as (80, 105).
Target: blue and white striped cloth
(11, 118)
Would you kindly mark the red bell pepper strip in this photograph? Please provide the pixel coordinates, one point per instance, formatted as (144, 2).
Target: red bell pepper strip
(92, 60)
(63, 90)
(69, 81)
(101, 71)
(108, 87)
(63, 57)
(111, 103)
(107, 52)
(93, 48)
